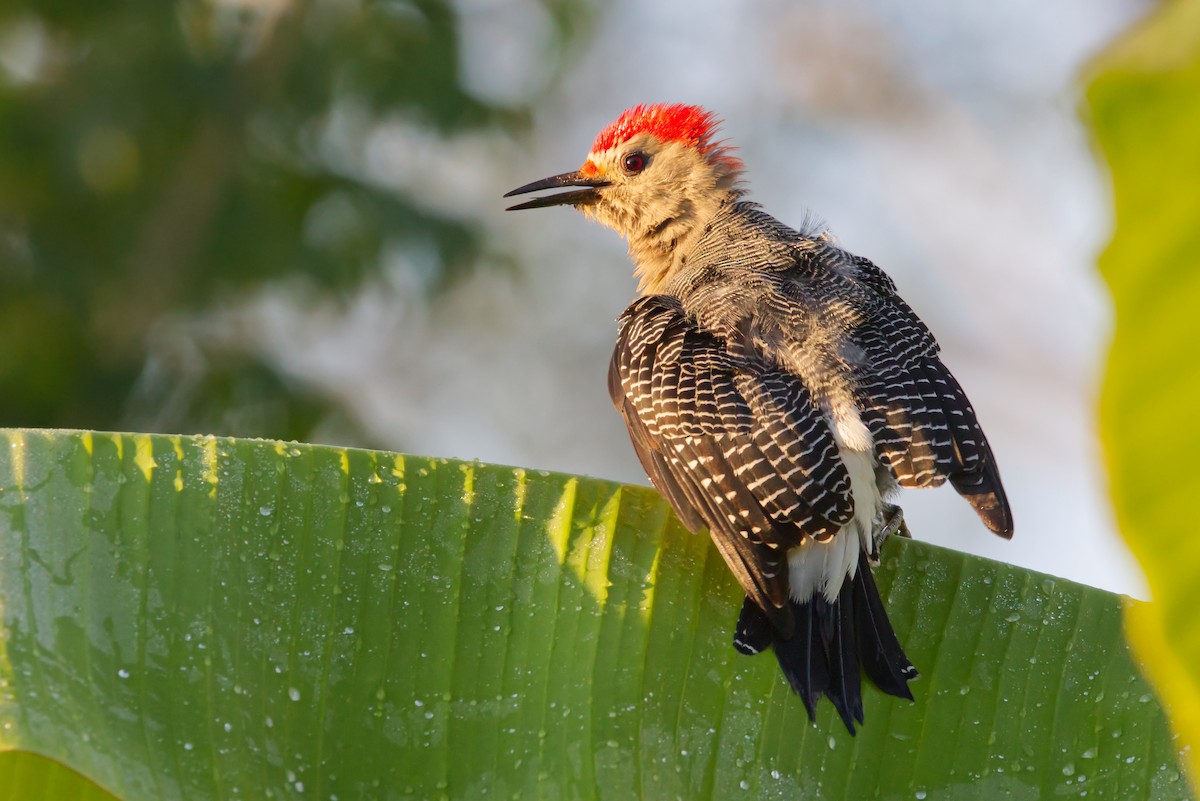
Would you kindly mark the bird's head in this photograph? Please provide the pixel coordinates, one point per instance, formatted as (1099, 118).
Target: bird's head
(655, 175)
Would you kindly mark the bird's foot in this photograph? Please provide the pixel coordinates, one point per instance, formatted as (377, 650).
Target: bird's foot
(893, 524)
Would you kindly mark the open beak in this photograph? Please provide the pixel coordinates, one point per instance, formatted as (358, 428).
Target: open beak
(580, 197)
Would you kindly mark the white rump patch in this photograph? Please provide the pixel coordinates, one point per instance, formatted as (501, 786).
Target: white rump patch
(849, 431)
(823, 566)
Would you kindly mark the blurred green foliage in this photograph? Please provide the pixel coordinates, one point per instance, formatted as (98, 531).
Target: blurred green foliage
(158, 158)
(1144, 98)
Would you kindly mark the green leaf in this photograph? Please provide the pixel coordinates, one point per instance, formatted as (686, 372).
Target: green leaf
(1145, 104)
(30, 777)
(215, 618)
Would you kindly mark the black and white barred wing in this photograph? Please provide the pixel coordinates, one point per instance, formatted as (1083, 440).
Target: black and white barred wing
(734, 445)
(924, 427)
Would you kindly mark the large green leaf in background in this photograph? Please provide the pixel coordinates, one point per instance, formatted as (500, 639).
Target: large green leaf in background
(211, 618)
(1145, 102)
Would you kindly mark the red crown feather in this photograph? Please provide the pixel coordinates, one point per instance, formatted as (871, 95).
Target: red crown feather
(669, 122)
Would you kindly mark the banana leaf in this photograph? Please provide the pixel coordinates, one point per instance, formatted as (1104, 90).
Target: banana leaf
(203, 618)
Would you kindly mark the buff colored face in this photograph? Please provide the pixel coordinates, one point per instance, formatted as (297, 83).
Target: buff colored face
(647, 155)
(655, 176)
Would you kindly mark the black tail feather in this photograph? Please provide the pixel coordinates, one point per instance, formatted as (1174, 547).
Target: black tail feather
(830, 643)
(883, 659)
(846, 646)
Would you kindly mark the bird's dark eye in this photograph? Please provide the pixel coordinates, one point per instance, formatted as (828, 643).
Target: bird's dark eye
(634, 162)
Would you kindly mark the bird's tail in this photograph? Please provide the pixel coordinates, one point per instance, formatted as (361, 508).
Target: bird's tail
(829, 644)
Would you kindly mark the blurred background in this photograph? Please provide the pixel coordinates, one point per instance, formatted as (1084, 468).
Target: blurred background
(282, 218)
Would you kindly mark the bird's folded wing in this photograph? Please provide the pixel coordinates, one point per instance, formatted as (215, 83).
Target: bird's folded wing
(737, 447)
(924, 427)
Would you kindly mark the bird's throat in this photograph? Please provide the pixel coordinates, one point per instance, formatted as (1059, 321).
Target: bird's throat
(661, 249)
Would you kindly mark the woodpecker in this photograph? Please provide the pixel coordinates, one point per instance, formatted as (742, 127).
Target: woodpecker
(777, 391)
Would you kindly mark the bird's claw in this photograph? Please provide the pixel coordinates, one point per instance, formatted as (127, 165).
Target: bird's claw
(893, 524)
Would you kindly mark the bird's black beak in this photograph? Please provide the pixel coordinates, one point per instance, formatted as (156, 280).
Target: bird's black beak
(580, 197)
